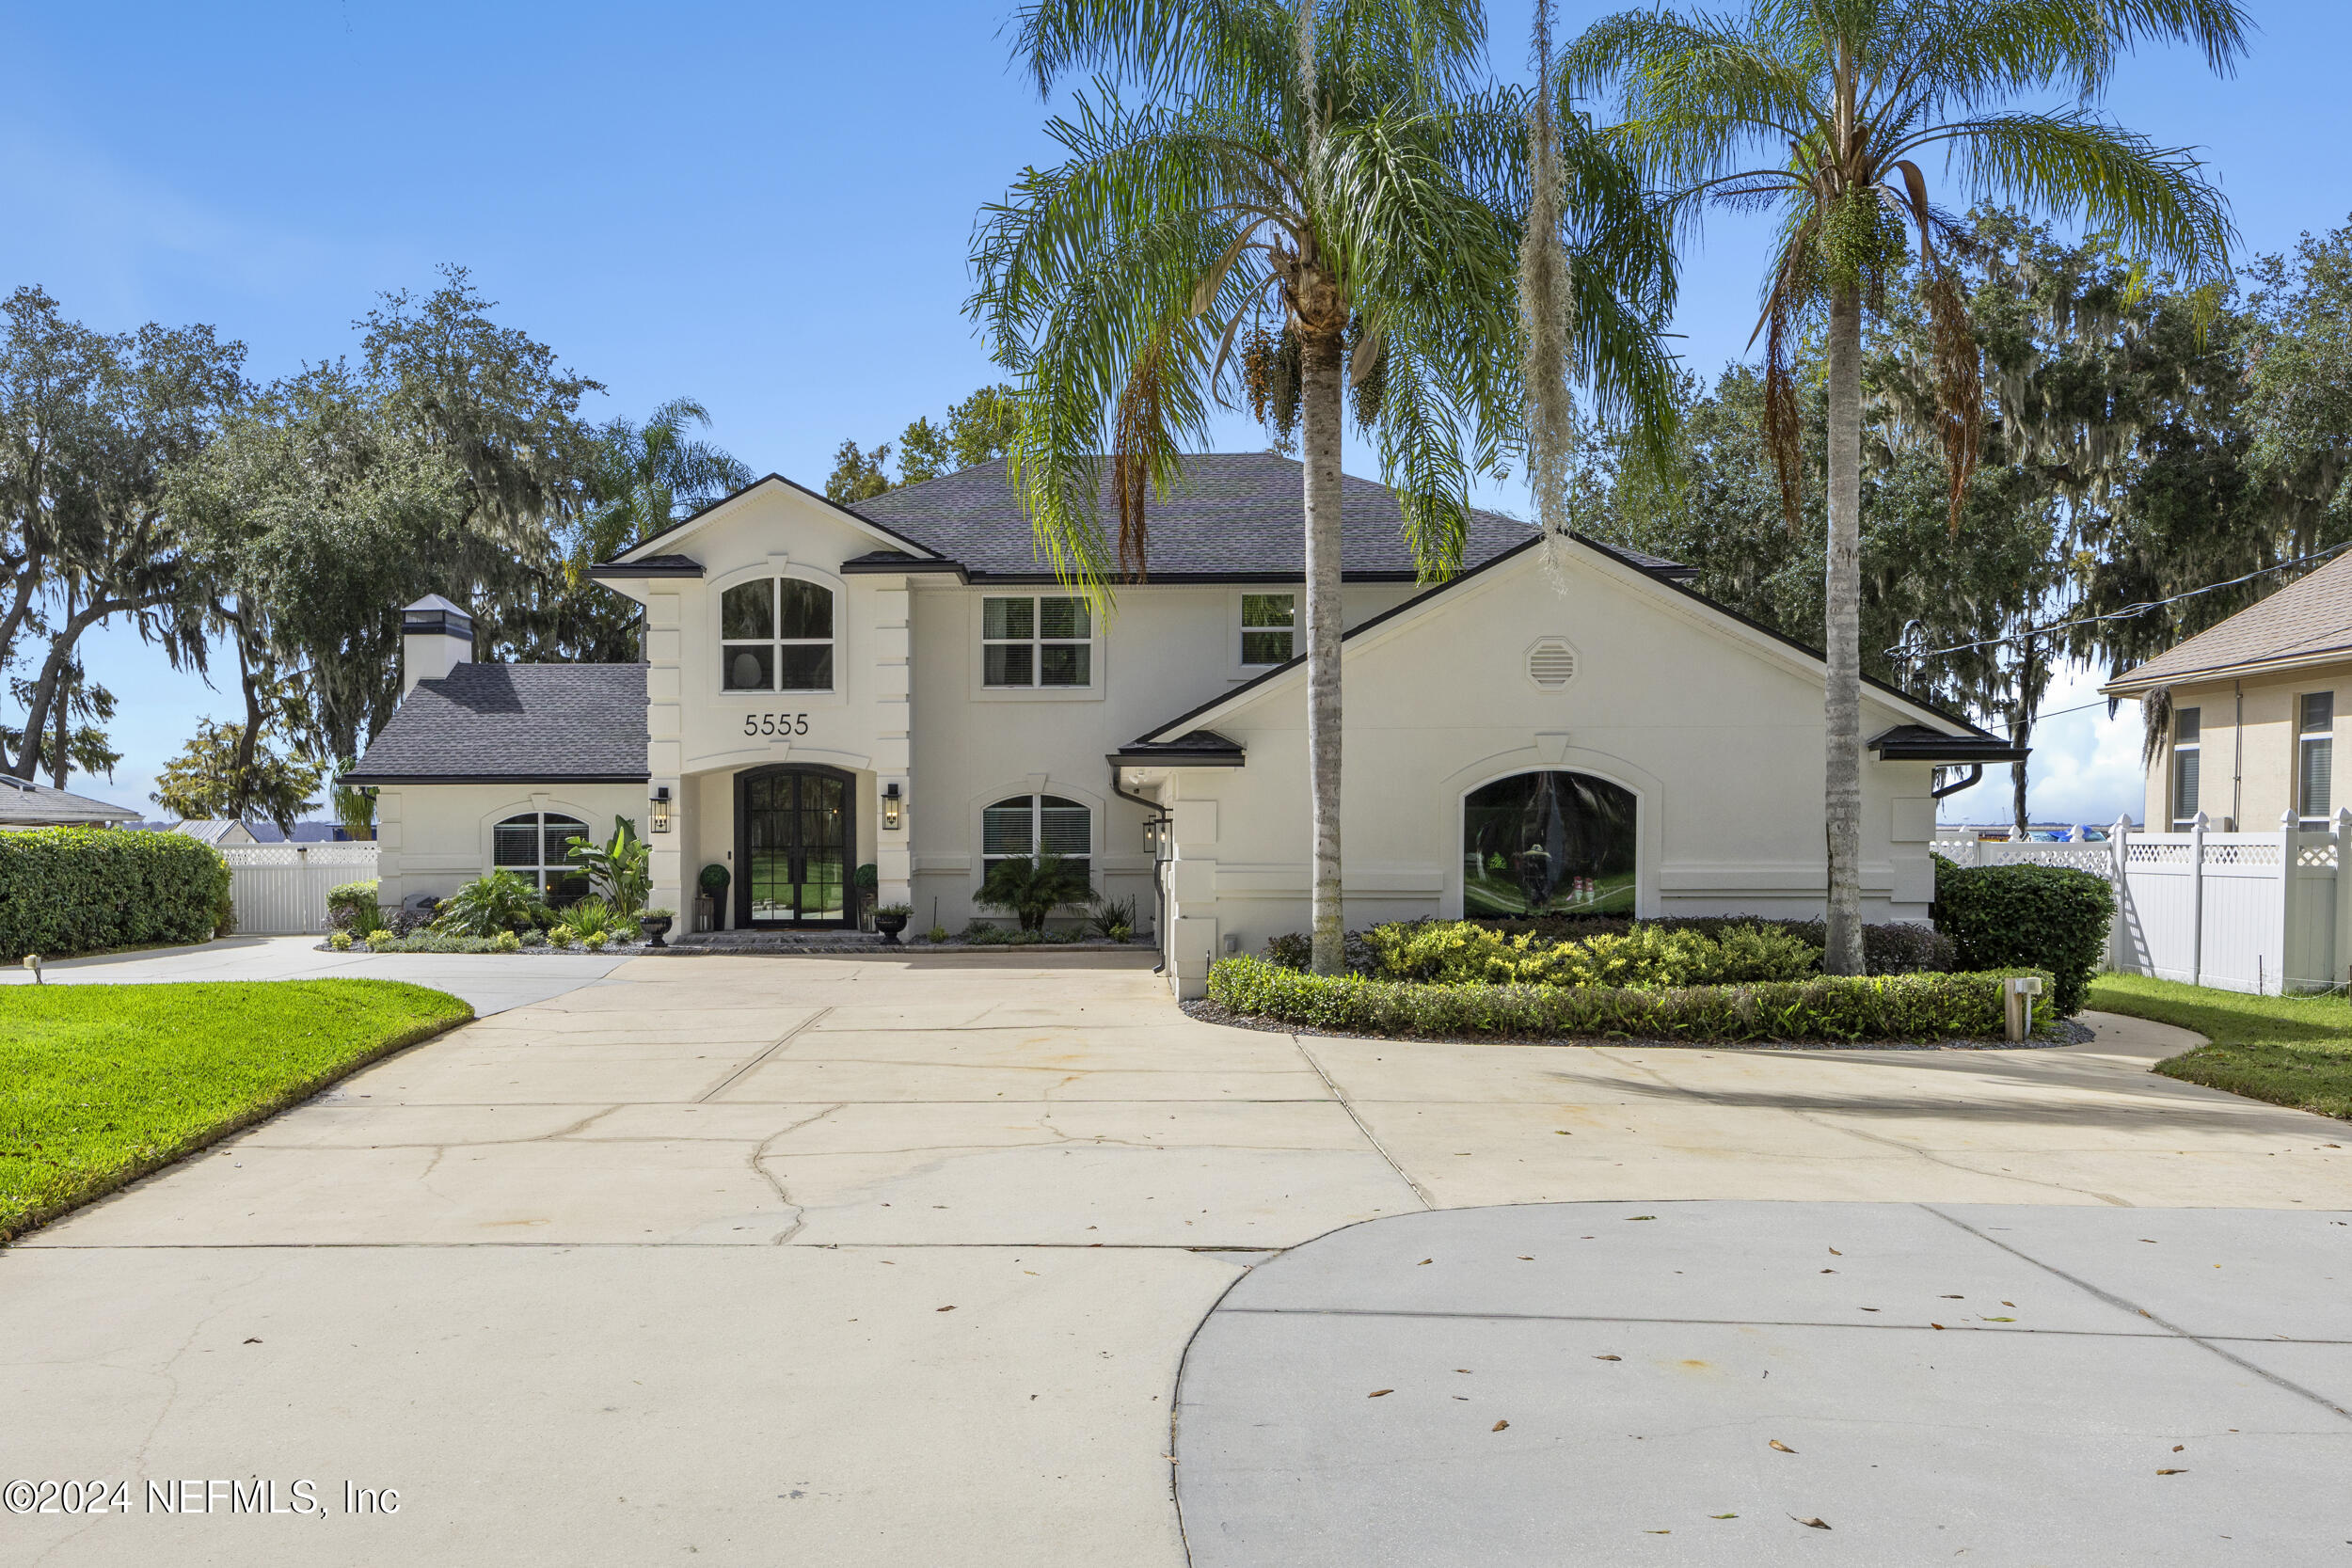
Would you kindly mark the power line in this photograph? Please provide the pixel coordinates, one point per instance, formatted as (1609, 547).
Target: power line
(2128, 611)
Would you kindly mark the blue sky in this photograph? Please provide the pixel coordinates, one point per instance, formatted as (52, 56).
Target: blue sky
(766, 207)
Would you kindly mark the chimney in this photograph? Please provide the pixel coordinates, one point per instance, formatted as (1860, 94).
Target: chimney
(435, 637)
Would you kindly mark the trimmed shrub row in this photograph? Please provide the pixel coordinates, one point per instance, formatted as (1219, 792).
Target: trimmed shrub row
(2053, 916)
(1878, 1008)
(65, 891)
(1456, 952)
(1899, 947)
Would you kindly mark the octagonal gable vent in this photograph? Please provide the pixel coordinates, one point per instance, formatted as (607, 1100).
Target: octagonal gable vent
(1551, 663)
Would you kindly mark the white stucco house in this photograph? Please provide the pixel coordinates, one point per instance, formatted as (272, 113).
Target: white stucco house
(902, 684)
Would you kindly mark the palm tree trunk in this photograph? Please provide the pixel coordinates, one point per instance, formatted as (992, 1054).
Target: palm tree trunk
(1320, 415)
(1842, 704)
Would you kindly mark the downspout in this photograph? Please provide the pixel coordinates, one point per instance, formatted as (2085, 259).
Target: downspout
(1976, 776)
(1154, 822)
(2237, 751)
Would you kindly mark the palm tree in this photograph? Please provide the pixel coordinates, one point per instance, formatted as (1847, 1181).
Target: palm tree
(642, 474)
(1822, 111)
(1331, 192)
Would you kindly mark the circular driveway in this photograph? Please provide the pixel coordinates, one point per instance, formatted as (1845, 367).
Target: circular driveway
(1751, 1383)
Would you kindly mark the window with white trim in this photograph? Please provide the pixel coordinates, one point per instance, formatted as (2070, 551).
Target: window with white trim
(2314, 758)
(532, 846)
(2186, 748)
(1036, 640)
(1268, 628)
(775, 634)
(1029, 825)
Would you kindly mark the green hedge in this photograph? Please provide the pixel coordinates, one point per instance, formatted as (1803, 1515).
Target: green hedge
(90, 889)
(1899, 948)
(1882, 1008)
(2053, 917)
(1457, 952)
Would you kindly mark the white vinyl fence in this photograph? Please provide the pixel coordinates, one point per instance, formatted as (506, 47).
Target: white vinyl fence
(280, 889)
(2260, 913)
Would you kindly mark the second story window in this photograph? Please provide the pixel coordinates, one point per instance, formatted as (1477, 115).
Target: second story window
(1036, 640)
(1268, 628)
(2314, 758)
(775, 634)
(2186, 751)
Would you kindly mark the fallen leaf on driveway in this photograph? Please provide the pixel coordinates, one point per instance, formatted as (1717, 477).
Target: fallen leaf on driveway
(1658, 1532)
(1631, 1217)
(1811, 1523)
(1833, 1252)
(945, 1309)
(2178, 1447)
(2000, 1320)
(1936, 1325)
(1784, 1447)
(1723, 1515)
(1608, 1357)
(1498, 1426)
(2171, 1472)
(1524, 1258)
(1378, 1392)
(253, 1341)
(1424, 1262)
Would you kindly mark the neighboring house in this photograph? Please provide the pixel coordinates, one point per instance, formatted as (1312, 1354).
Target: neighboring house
(2247, 711)
(903, 683)
(25, 804)
(220, 832)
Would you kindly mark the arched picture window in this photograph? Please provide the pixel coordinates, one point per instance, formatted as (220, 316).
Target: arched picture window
(1036, 825)
(775, 634)
(1550, 843)
(532, 846)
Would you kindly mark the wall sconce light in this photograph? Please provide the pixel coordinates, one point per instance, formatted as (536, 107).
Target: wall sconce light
(892, 800)
(661, 808)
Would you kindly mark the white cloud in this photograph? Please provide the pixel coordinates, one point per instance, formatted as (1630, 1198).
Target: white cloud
(2085, 765)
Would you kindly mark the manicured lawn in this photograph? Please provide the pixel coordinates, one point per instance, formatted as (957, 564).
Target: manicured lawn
(100, 1084)
(2288, 1049)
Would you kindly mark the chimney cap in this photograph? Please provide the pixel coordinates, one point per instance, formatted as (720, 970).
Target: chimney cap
(435, 601)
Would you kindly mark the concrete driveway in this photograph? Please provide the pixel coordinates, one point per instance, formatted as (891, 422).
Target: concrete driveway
(893, 1261)
(493, 982)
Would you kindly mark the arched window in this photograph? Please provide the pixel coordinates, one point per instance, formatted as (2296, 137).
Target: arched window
(532, 846)
(1548, 844)
(775, 634)
(1036, 825)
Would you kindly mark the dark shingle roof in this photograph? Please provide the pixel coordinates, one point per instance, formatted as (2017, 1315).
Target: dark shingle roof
(649, 566)
(576, 723)
(1231, 516)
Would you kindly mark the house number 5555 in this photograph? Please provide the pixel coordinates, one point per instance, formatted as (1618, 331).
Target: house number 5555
(775, 723)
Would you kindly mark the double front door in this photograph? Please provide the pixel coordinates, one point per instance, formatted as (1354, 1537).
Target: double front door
(794, 834)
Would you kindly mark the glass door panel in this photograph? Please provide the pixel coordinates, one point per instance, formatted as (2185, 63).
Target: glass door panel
(768, 819)
(796, 850)
(823, 876)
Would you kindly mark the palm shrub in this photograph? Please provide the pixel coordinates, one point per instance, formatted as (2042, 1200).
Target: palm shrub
(590, 917)
(490, 904)
(1029, 888)
(1306, 206)
(618, 869)
(1114, 918)
(1828, 112)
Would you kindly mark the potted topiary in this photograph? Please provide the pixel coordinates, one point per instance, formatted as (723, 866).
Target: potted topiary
(890, 919)
(713, 898)
(655, 925)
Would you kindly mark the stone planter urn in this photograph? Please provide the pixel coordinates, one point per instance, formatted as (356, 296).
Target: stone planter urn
(890, 925)
(654, 928)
